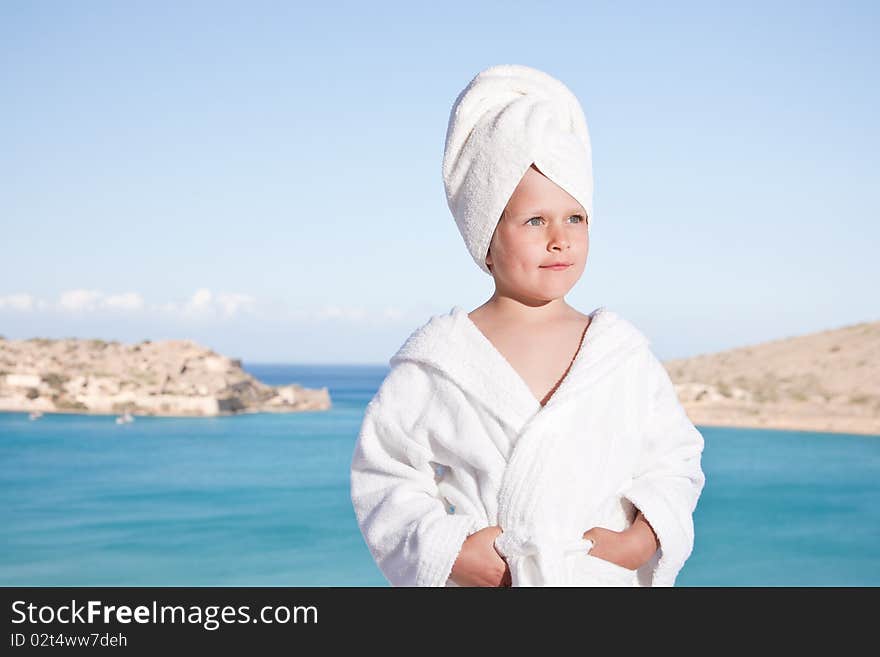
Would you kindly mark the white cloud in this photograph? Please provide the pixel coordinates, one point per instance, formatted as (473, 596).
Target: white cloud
(92, 300)
(76, 300)
(204, 303)
(22, 302)
(127, 301)
(169, 308)
(232, 304)
(393, 313)
(200, 301)
(339, 312)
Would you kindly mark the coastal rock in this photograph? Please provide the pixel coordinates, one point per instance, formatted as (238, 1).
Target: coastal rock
(169, 378)
(826, 381)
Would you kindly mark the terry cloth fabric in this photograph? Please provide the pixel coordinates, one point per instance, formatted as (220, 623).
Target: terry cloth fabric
(454, 441)
(508, 117)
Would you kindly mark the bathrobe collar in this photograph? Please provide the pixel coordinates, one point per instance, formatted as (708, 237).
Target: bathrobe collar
(452, 344)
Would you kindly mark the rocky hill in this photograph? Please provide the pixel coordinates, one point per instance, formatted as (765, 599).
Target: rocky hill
(826, 381)
(171, 378)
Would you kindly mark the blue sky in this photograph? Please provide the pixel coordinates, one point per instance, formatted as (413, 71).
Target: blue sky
(264, 178)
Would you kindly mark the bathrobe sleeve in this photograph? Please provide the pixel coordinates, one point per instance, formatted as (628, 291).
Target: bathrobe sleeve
(399, 509)
(669, 479)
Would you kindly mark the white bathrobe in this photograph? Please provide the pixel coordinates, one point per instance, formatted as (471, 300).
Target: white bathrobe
(454, 441)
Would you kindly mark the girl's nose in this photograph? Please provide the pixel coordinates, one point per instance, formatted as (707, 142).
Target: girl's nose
(559, 238)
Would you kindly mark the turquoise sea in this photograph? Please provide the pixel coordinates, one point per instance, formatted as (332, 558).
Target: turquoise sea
(263, 499)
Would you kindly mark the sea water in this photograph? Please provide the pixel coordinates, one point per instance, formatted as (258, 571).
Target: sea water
(263, 499)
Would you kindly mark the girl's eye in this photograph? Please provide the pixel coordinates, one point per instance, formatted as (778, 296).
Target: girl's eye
(579, 217)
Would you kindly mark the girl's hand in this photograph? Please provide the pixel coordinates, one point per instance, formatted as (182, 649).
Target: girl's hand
(616, 547)
(631, 548)
(479, 563)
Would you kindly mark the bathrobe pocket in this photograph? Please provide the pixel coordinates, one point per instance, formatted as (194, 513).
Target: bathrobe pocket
(586, 570)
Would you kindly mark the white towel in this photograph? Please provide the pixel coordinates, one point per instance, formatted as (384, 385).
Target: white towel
(507, 118)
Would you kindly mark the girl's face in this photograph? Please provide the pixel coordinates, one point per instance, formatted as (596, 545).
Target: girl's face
(541, 225)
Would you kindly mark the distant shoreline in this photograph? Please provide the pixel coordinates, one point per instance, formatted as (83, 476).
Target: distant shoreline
(848, 426)
(825, 382)
(156, 415)
(781, 426)
(169, 378)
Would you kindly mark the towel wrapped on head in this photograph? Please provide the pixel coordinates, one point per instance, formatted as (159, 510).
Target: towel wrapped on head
(506, 119)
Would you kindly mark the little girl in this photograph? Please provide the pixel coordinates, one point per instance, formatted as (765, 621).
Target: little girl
(525, 443)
